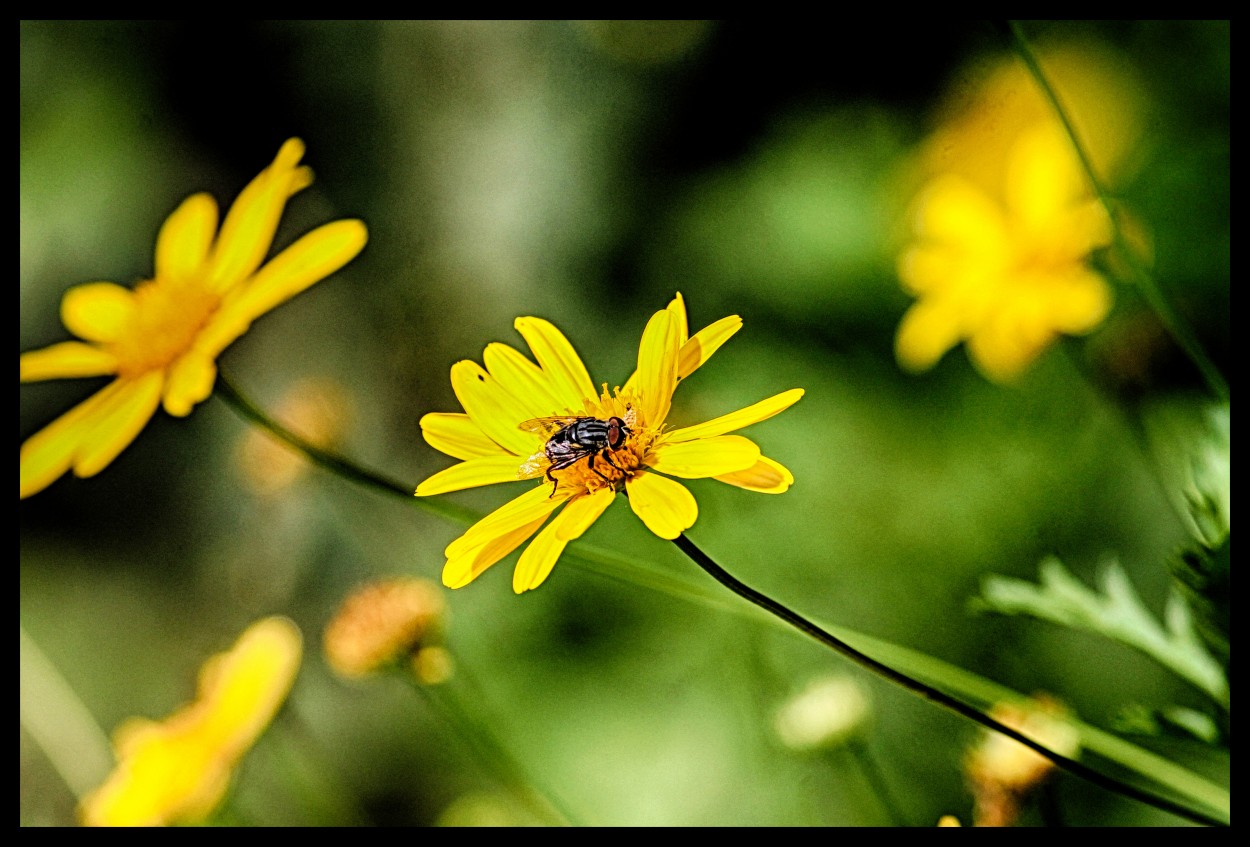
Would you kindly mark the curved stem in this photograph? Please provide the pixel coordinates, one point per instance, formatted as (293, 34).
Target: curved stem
(330, 461)
(1171, 320)
(928, 692)
(493, 753)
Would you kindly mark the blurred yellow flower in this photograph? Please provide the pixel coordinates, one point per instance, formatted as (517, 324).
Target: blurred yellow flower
(177, 770)
(387, 621)
(1002, 772)
(1004, 226)
(1007, 279)
(519, 424)
(161, 339)
(318, 410)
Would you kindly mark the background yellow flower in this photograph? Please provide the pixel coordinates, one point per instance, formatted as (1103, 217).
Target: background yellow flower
(160, 340)
(1005, 227)
(177, 770)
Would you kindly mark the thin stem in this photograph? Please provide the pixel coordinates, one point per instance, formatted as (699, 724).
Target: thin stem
(493, 753)
(331, 461)
(928, 692)
(876, 780)
(1171, 320)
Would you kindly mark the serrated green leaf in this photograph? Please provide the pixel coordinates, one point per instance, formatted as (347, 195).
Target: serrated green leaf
(1192, 447)
(1116, 613)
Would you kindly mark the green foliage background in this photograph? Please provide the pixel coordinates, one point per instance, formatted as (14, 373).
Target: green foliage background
(584, 173)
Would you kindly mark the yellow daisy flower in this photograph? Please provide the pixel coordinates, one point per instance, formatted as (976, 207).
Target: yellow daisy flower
(1007, 276)
(161, 339)
(548, 422)
(178, 770)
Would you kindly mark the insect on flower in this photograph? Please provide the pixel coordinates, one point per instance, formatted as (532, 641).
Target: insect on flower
(571, 438)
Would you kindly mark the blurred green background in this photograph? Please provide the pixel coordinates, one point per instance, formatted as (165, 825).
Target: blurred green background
(584, 172)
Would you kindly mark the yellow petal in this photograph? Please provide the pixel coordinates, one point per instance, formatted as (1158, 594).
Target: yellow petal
(49, 453)
(309, 260)
(471, 473)
(241, 690)
(248, 230)
(185, 239)
(705, 342)
(97, 311)
(666, 507)
(190, 382)
(1082, 301)
(472, 562)
(555, 355)
(1044, 177)
(1001, 351)
(705, 457)
(534, 504)
(756, 412)
(657, 367)
(766, 477)
(525, 381)
(118, 421)
(64, 360)
(582, 512)
(492, 407)
(457, 435)
(951, 209)
(927, 331)
(537, 560)
(678, 307)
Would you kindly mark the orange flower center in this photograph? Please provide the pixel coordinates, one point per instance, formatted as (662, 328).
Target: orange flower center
(610, 467)
(166, 320)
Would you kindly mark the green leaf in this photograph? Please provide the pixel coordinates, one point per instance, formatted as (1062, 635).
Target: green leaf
(1116, 613)
(1192, 446)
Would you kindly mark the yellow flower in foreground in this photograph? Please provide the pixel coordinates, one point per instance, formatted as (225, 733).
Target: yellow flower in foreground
(177, 771)
(161, 339)
(1007, 276)
(631, 447)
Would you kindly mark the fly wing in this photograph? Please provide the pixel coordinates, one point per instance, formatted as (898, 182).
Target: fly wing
(548, 426)
(534, 466)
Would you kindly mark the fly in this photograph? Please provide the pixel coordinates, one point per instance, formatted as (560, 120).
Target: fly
(571, 438)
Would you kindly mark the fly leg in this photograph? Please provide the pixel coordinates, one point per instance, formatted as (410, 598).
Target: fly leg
(604, 454)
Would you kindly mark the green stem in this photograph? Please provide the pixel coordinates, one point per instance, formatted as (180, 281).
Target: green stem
(332, 462)
(493, 753)
(875, 777)
(928, 692)
(1141, 276)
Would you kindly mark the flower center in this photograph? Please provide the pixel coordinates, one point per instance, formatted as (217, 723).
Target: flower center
(606, 466)
(165, 322)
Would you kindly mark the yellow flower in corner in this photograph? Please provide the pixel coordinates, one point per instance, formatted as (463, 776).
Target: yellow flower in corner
(546, 421)
(160, 340)
(177, 770)
(1007, 275)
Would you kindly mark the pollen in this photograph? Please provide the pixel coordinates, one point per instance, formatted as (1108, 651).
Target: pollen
(167, 318)
(613, 468)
